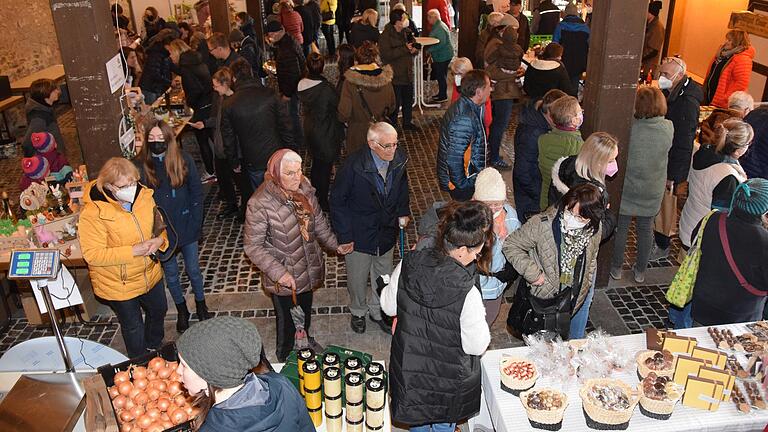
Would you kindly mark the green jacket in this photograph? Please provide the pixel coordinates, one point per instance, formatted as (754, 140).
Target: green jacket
(443, 51)
(552, 146)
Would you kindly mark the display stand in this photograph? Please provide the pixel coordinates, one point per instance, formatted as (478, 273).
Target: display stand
(418, 71)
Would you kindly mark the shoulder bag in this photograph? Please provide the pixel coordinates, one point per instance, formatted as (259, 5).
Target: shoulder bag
(371, 117)
(680, 291)
(732, 263)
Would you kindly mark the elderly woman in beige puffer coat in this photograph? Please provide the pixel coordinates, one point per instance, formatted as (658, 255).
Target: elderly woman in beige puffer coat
(284, 228)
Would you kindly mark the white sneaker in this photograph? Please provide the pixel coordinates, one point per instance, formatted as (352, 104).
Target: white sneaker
(207, 178)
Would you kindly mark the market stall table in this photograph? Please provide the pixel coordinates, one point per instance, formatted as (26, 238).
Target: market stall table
(55, 73)
(503, 412)
(419, 99)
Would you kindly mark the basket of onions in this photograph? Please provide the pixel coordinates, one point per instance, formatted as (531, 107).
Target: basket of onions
(147, 394)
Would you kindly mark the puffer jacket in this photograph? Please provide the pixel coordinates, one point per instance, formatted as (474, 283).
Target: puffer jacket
(535, 249)
(460, 128)
(526, 178)
(157, 70)
(273, 242)
(376, 85)
(107, 233)
(573, 34)
(734, 77)
(394, 52)
(293, 24)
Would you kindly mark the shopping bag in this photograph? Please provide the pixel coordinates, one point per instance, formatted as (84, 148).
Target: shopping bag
(680, 291)
(666, 220)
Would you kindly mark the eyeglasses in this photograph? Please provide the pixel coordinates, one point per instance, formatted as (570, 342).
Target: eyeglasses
(117, 188)
(386, 146)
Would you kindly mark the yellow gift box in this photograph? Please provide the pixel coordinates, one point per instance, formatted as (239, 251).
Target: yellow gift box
(687, 366)
(716, 357)
(720, 376)
(679, 344)
(702, 393)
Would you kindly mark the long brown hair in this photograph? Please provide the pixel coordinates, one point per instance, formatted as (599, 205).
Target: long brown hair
(175, 165)
(467, 224)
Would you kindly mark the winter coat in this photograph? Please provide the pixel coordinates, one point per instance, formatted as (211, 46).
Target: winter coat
(156, 77)
(482, 42)
(183, 205)
(362, 32)
(290, 64)
(267, 402)
(152, 28)
(545, 18)
(442, 51)
(573, 34)
(251, 52)
(344, 13)
(649, 142)
(552, 146)
(708, 132)
(323, 132)
(214, 122)
(545, 75)
(431, 378)
(487, 110)
(461, 128)
(310, 17)
(523, 32)
(502, 60)
(107, 233)
(254, 124)
(41, 118)
(365, 208)
(445, 17)
(526, 178)
(755, 161)
(249, 28)
(329, 6)
(293, 24)
(273, 242)
(376, 85)
(196, 82)
(393, 52)
(734, 77)
(535, 249)
(654, 42)
(683, 104)
(718, 297)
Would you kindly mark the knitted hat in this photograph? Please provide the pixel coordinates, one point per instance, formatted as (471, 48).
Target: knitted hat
(236, 36)
(35, 167)
(571, 9)
(221, 350)
(43, 142)
(273, 26)
(654, 8)
(751, 197)
(509, 20)
(490, 186)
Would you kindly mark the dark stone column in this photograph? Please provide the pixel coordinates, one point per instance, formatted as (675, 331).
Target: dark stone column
(469, 19)
(220, 16)
(255, 9)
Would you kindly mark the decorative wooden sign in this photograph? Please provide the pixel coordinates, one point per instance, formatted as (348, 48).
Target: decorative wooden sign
(750, 22)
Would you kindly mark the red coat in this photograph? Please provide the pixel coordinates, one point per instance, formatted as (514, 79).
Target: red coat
(442, 7)
(735, 77)
(293, 24)
(488, 115)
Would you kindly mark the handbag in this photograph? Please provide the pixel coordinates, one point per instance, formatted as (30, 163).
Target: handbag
(666, 220)
(327, 15)
(371, 117)
(160, 223)
(732, 263)
(680, 291)
(530, 314)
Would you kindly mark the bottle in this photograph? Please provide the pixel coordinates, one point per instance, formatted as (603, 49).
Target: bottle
(6, 212)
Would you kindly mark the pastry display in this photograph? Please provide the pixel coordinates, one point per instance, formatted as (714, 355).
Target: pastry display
(662, 363)
(517, 375)
(608, 404)
(742, 403)
(724, 339)
(750, 343)
(545, 408)
(658, 396)
(753, 393)
(734, 367)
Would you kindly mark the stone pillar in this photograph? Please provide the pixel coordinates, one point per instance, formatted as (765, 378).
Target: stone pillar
(220, 16)
(255, 9)
(611, 86)
(85, 50)
(469, 19)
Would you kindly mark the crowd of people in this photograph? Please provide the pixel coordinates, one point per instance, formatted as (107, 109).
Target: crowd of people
(470, 249)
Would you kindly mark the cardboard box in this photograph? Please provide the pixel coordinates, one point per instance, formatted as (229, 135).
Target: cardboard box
(702, 393)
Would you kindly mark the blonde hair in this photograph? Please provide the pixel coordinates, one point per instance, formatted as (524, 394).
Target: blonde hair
(461, 65)
(177, 47)
(370, 16)
(434, 13)
(564, 110)
(739, 38)
(114, 169)
(734, 134)
(595, 154)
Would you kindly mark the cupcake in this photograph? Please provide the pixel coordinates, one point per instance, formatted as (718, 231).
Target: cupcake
(608, 404)
(545, 408)
(517, 375)
(658, 396)
(662, 363)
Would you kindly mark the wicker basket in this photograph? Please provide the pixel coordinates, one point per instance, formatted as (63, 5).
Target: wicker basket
(519, 386)
(656, 409)
(604, 419)
(643, 370)
(545, 419)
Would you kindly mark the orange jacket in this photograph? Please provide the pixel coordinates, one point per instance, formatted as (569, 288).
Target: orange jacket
(735, 77)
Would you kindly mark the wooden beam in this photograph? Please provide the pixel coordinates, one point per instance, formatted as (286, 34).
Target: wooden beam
(255, 9)
(469, 20)
(97, 109)
(220, 16)
(609, 97)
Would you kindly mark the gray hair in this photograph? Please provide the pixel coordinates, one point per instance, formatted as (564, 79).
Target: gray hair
(741, 101)
(434, 13)
(461, 65)
(678, 61)
(494, 19)
(377, 130)
(291, 156)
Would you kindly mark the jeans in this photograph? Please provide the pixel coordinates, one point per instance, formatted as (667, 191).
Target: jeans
(330, 40)
(320, 177)
(434, 427)
(295, 114)
(579, 320)
(644, 241)
(191, 266)
(361, 266)
(142, 332)
(286, 332)
(681, 318)
(256, 178)
(203, 138)
(404, 99)
(439, 73)
(502, 111)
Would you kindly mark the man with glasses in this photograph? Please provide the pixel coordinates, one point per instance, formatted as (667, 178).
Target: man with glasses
(369, 204)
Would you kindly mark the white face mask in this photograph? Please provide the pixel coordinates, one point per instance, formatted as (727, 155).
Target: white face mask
(497, 214)
(126, 194)
(571, 222)
(665, 83)
(457, 80)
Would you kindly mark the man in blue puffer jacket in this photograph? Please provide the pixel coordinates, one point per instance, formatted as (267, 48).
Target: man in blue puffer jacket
(461, 129)
(573, 34)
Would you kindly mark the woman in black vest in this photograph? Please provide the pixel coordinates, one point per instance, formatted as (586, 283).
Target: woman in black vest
(441, 330)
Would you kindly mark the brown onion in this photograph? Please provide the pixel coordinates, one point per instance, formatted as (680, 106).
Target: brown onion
(167, 424)
(113, 393)
(155, 427)
(125, 388)
(153, 394)
(178, 416)
(129, 404)
(137, 411)
(180, 400)
(126, 416)
(134, 391)
(139, 372)
(164, 373)
(159, 385)
(141, 398)
(154, 413)
(140, 383)
(121, 376)
(163, 403)
(126, 427)
(188, 409)
(156, 363)
(175, 377)
(119, 401)
(174, 388)
(144, 421)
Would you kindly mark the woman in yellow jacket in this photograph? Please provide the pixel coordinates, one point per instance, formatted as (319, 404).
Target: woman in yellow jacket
(115, 232)
(328, 15)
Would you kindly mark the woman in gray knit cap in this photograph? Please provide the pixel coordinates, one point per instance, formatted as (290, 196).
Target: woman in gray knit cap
(220, 364)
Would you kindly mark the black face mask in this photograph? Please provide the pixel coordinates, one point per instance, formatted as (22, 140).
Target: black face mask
(158, 147)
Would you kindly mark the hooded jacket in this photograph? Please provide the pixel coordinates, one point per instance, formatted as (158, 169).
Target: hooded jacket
(545, 75)
(461, 128)
(41, 118)
(107, 233)
(734, 76)
(526, 178)
(394, 52)
(266, 403)
(196, 82)
(374, 84)
(573, 34)
(251, 51)
(323, 132)
(683, 105)
(157, 70)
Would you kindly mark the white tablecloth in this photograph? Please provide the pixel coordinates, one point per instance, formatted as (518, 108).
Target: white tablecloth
(505, 413)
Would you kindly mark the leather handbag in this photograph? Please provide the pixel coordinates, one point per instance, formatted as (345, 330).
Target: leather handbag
(530, 314)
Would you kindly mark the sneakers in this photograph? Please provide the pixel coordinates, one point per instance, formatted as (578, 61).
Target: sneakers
(616, 273)
(658, 253)
(207, 178)
(358, 324)
(501, 165)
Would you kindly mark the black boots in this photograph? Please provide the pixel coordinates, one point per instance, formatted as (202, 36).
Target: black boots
(202, 310)
(182, 320)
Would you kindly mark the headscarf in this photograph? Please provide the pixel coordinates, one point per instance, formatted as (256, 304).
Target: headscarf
(297, 200)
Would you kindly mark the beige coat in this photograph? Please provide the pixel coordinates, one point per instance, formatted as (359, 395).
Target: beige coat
(378, 93)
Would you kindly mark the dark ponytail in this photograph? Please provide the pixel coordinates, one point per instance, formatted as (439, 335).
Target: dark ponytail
(467, 224)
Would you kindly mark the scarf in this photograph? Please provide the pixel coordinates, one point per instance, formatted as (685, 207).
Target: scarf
(726, 54)
(573, 244)
(500, 225)
(298, 202)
